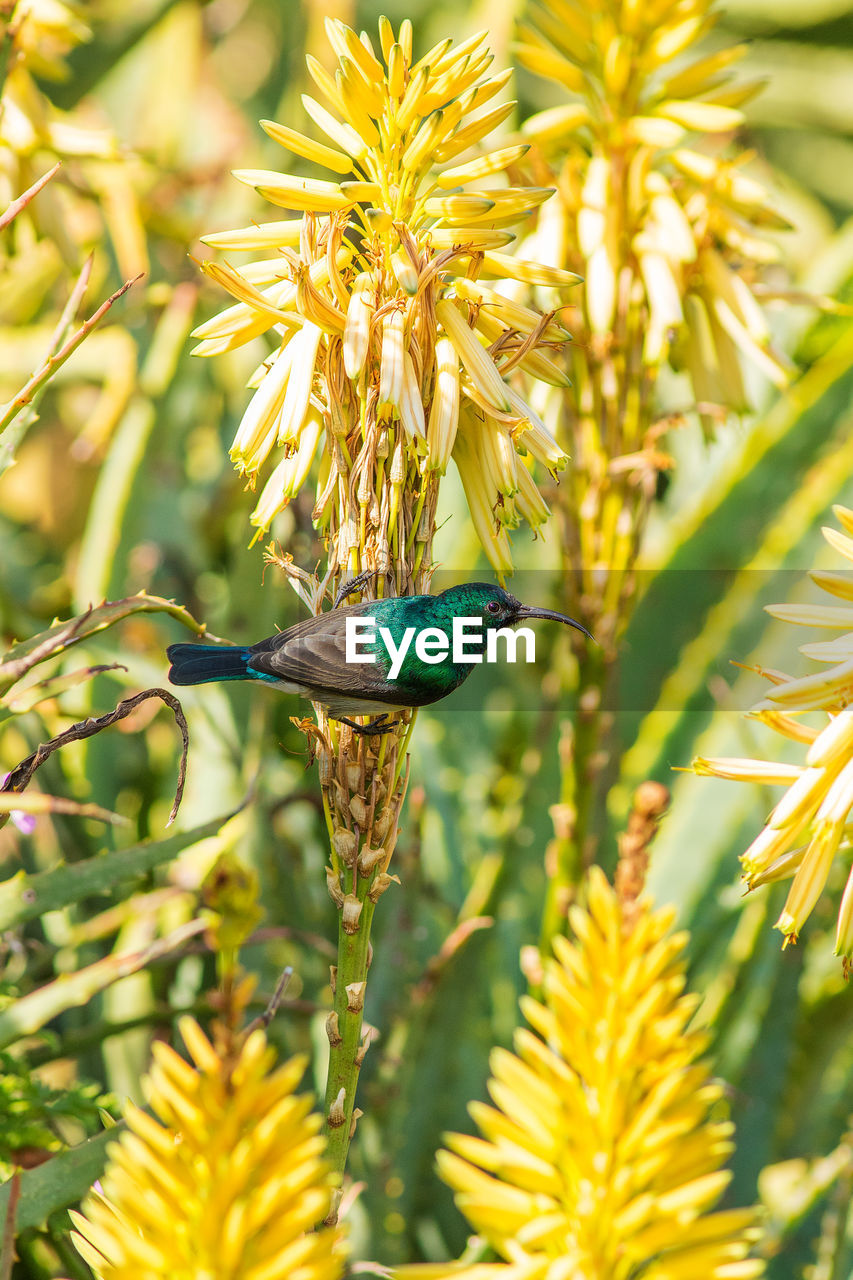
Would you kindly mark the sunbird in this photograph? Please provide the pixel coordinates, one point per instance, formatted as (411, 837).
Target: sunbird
(420, 649)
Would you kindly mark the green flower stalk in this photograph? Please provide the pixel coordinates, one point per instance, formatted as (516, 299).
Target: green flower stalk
(658, 216)
(602, 1153)
(392, 354)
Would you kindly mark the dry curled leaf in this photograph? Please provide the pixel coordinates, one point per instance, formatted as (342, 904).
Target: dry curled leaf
(20, 776)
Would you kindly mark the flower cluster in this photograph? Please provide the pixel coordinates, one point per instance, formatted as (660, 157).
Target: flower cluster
(39, 35)
(392, 350)
(635, 200)
(228, 1180)
(809, 825)
(602, 1153)
(55, 224)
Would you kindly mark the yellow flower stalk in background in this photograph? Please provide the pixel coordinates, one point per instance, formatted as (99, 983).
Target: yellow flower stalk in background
(602, 1154)
(665, 227)
(40, 33)
(227, 1180)
(392, 349)
(655, 211)
(66, 185)
(810, 824)
(33, 135)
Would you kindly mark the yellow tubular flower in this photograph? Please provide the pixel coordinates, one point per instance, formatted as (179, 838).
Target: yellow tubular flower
(668, 240)
(682, 212)
(602, 1154)
(40, 34)
(811, 821)
(227, 1179)
(54, 230)
(384, 269)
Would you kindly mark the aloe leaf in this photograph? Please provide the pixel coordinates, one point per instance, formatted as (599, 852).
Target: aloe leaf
(25, 897)
(29, 1014)
(61, 1181)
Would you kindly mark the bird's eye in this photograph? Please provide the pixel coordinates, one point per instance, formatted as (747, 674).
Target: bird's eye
(493, 606)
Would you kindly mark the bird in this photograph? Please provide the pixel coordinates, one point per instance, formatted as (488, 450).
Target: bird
(352, 669)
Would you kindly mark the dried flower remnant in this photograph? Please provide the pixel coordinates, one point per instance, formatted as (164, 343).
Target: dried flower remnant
(392, 353)
(602, 1154)
(227, 1178)
(811, 823)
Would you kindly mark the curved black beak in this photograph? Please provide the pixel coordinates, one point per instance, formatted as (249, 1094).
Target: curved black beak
(526, 611)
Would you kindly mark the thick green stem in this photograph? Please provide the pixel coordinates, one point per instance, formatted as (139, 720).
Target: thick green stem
(345, 1039)
(363, 786)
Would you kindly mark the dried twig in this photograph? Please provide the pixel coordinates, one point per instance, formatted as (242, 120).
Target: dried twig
(11, 211)
(36, 802)
(21, 775)
(7, 1257)
(264, 1019)
(53, 362)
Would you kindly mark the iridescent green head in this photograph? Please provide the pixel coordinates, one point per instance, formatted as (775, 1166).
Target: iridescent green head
(495, 606)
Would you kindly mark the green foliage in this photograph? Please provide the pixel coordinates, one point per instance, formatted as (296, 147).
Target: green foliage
(35, 1117)
(122, 485)
(61, 1181)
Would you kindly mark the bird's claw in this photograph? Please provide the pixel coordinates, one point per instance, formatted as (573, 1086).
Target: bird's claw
(348, 588)
(381, 725)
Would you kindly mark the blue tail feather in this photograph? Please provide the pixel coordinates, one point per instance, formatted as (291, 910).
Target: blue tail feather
(199, 663)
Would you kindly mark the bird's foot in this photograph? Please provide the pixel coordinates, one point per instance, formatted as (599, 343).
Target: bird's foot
(380, 725)
(354, 584)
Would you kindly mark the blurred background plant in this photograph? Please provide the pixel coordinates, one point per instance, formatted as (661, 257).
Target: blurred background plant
(558, 1180)
(243, 1156)
(663, 211)
(124, 484)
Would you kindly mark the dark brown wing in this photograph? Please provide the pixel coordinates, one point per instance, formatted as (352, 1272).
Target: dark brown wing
(313, 653)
